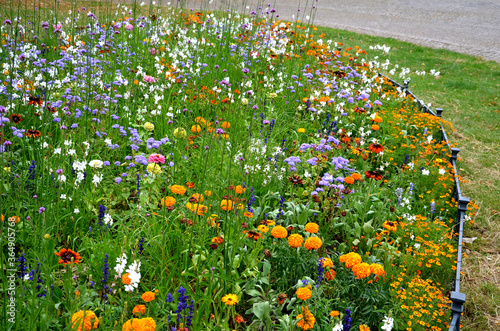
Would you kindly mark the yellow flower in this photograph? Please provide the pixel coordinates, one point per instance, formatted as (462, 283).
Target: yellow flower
(313, 243)
(311, 227)
(226, 205)
(295, 240)
(180, 133)
(301, 130)
(47, 236)
(364, 328)
(263, 228)
(195, 129)
(230, 299)
(153, 168)
(327, 263)
(303, 293)
(279, 232)
(199, 209)
(84, 320)
(149, 126)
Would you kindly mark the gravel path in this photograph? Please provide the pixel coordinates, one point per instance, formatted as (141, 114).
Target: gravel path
(465, 26)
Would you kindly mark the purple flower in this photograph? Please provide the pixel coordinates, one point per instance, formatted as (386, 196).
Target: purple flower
(118, 180)
(41, 210)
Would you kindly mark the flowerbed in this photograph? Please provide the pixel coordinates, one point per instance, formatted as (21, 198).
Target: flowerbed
(193, 171)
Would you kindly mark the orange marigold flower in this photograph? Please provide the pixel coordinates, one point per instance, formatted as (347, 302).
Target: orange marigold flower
(230, 299)
(190, 185)
(377, 119)
(139, 309)
(375, 127)
(313, 243)
(330, 274)
(168, 201)
(239, 189)
(327, 262)
(350, 259)
(377, 269)
(295, 240)
(311, 227)
(349, 180)
(279, 232)
(126, 279)
(217, 240)
(303, 293)
(334, 313)
(356, 176)
(361, 270)
(262, 228)
(226, 125)
(148, 296)
(226, 204)
(178, 189)
(306, 319)
(66, 255)
(140, 324)
(364, 328)
(84, 320)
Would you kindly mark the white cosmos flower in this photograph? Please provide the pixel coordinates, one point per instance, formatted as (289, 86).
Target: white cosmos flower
(96, 164)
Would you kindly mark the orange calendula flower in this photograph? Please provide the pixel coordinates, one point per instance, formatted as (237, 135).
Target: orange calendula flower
(199, 209)
(364, 328)
(375, 127)
(356, 176)
(311, 227)
(66, 255)
(230, 299)
(279, 232)
(84, 320)
(334, 313)
(148, 296)
(295, 240)
(239, 189)
(306, 319)
(178, 189)
(126, 279)
(313, 243)
(350, 259)
(226, 125)
(168, 201)
(198, 197)
(361, 270)
(349, 180)
(303, 293)
(139, 309)
(195, 129)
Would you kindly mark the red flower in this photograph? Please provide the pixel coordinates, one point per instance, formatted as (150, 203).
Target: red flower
(66, 255)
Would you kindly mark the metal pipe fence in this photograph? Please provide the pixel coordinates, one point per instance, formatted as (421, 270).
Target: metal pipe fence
(457, 298)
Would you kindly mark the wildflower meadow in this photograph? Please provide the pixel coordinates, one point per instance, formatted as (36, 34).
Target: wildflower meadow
(164, 168)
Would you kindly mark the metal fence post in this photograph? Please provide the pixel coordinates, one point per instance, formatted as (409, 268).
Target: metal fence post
(439, 112)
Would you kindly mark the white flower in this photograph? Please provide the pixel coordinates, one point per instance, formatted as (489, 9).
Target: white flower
(429, 139)
(57, 151)
(442, 171)
(96, 179)
(76, 211)
(134, 271)
(121, 264)
(425, 172)
(388, 323)
(338, 327)
(96, 164)
(108, 220)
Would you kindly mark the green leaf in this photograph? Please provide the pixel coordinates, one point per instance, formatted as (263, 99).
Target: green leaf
(261, 310)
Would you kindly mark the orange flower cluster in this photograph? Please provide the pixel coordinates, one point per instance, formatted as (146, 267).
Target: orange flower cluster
(140, 324)
(306, 319)
(84, 320)
(350, 259)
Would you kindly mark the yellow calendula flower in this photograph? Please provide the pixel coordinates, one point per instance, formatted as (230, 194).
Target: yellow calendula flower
(301, 130)
(230, 299)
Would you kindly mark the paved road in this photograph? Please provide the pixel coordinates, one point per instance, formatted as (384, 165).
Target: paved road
(466, 26)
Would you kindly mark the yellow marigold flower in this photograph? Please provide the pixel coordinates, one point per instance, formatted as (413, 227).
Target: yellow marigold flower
(148, 296)
(178, 189)
(303, 293)
(279, 232)
(239, 189)
(226, 205)
(230, 299)
(377, 269)
(306, 319)
(153, 168)
(84, 320)
(262, 228)
(313, 243)
(327, 263)
(168, 201)
(350, 259)
(295, 240)
(139, 309)
(301, 130)
(334, 313)
(361, 270)
(195, 129)
(311, 227)
(149, 126)
(180, 133)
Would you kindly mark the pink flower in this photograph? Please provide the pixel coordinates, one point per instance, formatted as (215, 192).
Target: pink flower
(129, 27)
(156, 158)
(149, 79)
